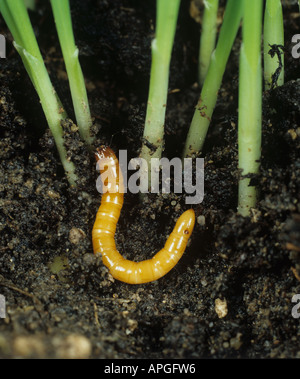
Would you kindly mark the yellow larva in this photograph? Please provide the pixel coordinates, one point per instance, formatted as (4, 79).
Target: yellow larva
(105, 227)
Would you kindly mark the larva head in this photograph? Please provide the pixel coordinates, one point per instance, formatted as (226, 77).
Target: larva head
(108, 165)
(105, 152)
(105, 158)
(185, 224)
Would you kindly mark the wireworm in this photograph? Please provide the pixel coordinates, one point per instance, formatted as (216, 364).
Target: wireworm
(105, 227)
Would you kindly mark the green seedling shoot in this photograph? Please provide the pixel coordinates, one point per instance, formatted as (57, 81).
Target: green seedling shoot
(153, 138)
(208, 37)
(30, 4)
(250, 105)
(273, 44)
(16, 17)
(209, 93)
(63, 21)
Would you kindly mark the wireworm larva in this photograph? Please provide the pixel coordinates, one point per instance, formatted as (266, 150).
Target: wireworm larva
(105, 227)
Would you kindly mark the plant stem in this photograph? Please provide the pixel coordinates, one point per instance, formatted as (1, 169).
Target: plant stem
(17, 19)
(30, 4)
(273, 34)
(209, 94)
(62, 16)
(166, 20)
(250, 104)
(208, 37)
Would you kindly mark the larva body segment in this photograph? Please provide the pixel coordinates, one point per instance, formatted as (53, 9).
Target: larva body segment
(105, 227)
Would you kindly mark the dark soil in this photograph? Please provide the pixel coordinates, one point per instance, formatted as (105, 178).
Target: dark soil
(60, 300)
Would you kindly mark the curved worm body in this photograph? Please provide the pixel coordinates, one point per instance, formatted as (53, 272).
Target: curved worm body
(105, 227)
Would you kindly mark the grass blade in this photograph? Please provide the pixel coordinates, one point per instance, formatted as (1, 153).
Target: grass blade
(166, 21)
(273, 35)
(17, 19)
(208, 37)
(209, 94)
(62, 16)
(250, 104)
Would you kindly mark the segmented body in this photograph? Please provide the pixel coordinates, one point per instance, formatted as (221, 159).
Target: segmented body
(105, 227)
